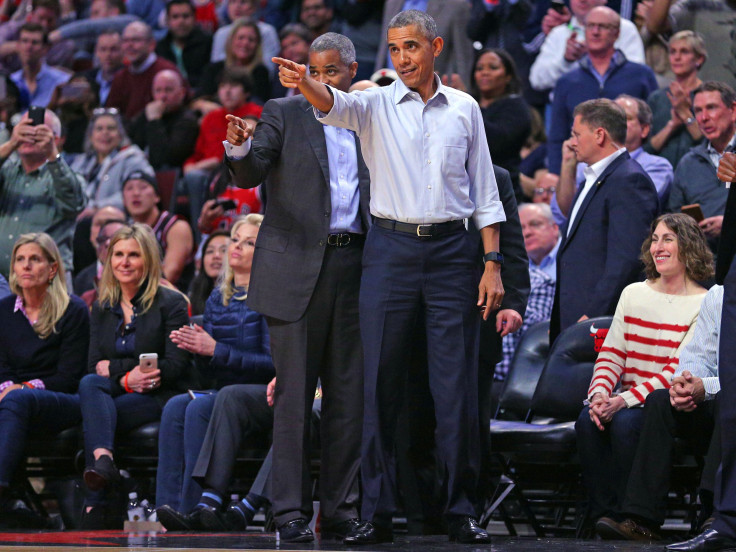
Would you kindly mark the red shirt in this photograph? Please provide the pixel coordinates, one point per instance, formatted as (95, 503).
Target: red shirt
(213, 131)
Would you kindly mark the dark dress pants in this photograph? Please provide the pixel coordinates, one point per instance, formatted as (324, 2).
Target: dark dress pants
(606, 458)
(324, 344)
(35, 412)
(240, 413)
(725, 491)
(403, 277)
(646, 491)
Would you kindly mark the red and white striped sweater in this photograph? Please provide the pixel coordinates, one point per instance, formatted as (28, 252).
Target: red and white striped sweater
(642, 348)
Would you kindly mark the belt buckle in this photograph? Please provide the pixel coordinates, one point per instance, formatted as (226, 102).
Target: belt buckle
(429, 230)
(338, 240)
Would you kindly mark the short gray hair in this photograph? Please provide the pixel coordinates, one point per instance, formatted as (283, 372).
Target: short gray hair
(422, 20)
(606, 114)
(335, 41)
(544, 209)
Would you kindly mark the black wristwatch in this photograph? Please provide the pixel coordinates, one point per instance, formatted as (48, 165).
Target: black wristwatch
(494, 256)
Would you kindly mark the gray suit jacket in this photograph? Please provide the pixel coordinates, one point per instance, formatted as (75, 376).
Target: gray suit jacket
(289, 153)
(452, 18)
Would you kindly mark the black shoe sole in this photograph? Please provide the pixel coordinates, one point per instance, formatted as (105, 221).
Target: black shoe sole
(95, 481)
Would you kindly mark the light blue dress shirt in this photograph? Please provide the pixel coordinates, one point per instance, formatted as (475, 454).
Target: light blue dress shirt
(342, 158)
(344, 194)
(47, 80)
(700, 355)
(428, 163)
(549, 263)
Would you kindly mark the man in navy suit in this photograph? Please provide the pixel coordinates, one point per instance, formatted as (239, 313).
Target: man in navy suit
(608, 217)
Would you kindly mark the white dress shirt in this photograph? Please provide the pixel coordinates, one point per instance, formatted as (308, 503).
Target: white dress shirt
(428, 163)
(591, 177)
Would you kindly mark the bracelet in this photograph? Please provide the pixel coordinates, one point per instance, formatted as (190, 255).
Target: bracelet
(27, 385)
(125, 384)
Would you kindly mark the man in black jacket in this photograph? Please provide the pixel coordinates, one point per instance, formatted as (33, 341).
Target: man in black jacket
(185, 44)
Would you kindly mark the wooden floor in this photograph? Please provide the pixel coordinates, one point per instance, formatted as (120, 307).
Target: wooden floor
(110, 541)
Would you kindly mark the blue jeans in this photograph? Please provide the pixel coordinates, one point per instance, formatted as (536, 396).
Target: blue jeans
(606, 458)
(183, 426)
(35, 411)
(106, 409)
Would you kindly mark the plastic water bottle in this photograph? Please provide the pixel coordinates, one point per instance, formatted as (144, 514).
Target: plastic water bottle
(148, 510)
(135, 510)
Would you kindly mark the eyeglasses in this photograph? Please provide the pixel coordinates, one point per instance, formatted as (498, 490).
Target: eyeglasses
(547, 190)
(96, 112)
(601, 26)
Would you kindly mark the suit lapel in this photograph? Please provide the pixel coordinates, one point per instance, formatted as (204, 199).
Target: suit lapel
(316, 136)
(600, 181)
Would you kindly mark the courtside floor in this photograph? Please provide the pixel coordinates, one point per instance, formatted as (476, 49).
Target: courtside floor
(110, 541)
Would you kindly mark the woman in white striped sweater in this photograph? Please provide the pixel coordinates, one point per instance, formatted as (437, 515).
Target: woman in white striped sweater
(654, 320)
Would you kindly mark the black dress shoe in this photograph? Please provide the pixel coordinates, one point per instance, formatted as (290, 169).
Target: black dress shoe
(706, 541)
(296, 530)
(177, 521)
(367, 532)
(213, 519)
(466, 530)
(103, 473)
(339, 530)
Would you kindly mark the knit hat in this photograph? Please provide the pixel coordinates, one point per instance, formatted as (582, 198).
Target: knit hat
(140, 175)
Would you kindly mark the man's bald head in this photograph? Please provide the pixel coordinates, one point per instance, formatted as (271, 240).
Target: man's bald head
(169, 88)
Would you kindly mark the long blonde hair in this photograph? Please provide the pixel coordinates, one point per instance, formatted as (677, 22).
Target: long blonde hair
(56, 299)
(257, 55)
(226, 282)
(109, 292)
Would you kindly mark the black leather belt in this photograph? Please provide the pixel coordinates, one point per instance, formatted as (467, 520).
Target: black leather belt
(343, 240)
(421, 230)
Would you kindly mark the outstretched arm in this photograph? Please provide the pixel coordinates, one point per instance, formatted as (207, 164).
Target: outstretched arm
(294, 75)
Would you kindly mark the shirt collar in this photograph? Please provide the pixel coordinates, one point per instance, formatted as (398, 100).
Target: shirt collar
(596, 169)
(712, 151)
(150, 60)
(19, 306)
(401, 90)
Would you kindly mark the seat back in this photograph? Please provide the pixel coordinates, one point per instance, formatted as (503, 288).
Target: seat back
(524, 372)
(564, 383)
(166, 179)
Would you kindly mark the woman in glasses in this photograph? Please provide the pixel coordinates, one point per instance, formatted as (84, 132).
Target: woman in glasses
(108, 160)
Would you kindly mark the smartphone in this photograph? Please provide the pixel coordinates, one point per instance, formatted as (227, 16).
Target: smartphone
(557, 5)
(36, 114)
(694, 211)
(148, 362)
(226, 204)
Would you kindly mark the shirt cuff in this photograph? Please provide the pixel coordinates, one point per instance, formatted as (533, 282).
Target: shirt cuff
(489, 214)
(712, 385)
(4, 385)
(236, 153)
(36, 383)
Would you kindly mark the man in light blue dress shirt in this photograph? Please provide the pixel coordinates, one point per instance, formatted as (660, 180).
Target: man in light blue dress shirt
(35, 80)
(430, 170)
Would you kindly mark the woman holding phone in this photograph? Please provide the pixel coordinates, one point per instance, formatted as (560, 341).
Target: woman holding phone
(132, 317)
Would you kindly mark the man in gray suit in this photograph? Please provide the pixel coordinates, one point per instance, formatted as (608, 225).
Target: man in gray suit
(305, 280)
(452, 18)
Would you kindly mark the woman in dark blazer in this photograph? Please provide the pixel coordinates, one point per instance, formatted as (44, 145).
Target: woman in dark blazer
(43, 351)
(134, 315)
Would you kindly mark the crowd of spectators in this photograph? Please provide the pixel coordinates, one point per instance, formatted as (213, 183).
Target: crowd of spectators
(603, 114)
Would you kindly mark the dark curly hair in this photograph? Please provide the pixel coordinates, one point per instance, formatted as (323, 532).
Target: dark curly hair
(693, 248)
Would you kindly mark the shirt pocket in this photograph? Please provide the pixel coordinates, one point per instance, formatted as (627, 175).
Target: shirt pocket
(454, 157)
